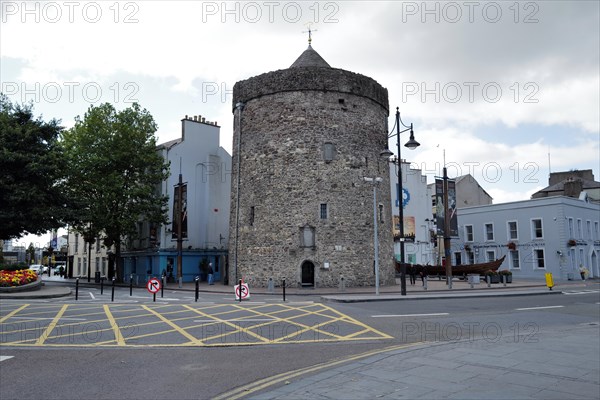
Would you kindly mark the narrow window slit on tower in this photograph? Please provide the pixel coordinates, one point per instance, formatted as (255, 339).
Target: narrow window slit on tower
(328, 152)
(323, 210)
(252, 216)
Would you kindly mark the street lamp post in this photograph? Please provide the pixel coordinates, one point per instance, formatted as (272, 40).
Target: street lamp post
(411, 144)
(375, 181)
(239, 107)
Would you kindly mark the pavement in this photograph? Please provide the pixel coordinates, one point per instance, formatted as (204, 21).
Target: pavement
(55, 287)
(561, 364)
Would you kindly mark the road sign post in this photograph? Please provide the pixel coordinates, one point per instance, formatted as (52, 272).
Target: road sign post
(153, 285)
(242, 291)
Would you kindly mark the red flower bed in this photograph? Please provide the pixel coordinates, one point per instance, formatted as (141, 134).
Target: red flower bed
(17, 278)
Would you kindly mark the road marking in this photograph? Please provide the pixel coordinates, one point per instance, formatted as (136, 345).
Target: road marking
(42, 318)
(10, 314)
(243, 391)
(50, 327)
(245, 301)
(258, 324)
(216, 319)
(537, 308)
(3, 358)
(179, 329)
(239, 320)
(92, 296)
(582, 292)
(115, 327)
(408, 315)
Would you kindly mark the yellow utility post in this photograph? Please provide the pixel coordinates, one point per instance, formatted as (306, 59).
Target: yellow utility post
(549, 280)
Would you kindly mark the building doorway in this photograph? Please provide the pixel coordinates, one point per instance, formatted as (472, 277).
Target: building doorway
(308, 274)
(594, 267)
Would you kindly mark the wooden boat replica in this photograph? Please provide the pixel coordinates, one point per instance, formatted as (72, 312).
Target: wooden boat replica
(457, 270)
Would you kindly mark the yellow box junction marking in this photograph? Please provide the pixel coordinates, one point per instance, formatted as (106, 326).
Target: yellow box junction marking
(13, 312)
(118, 336)
(192, 339)
(221, 325)
(50, 327)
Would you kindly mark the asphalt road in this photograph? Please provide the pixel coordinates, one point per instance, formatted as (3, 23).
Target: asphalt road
(43, 369)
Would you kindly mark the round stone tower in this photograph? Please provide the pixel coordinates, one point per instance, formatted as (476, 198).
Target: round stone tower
(304, 140)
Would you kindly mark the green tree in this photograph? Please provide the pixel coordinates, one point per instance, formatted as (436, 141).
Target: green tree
(114, 174)
(31, 195)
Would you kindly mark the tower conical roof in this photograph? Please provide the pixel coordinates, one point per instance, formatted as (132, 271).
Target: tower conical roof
(310, 58)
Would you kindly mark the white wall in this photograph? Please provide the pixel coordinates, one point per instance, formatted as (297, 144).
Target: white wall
(418, 207)
(206, 168)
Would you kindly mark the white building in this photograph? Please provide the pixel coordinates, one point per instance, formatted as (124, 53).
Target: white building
(418, 223)
(554, 234)
(205, 169)
(83, 258)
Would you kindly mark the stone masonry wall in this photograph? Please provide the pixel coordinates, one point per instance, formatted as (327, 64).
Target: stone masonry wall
(285, 178)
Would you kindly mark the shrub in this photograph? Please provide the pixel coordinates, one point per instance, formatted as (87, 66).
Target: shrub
(13, 267)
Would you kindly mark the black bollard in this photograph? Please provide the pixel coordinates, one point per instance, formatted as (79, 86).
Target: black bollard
(197, 288)
(76, 288)
(131, 285)
(284, 290)
(240, 289)
(112, 296)
(102, 285)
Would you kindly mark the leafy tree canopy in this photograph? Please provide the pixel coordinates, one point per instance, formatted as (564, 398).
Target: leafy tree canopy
(32, 199)
(114, 172)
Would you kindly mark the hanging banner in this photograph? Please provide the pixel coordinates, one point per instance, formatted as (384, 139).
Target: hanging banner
(452, 208)
(440, 209)
(180, 214)
(439, 206)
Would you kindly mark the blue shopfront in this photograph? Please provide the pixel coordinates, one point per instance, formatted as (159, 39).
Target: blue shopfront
(141, 266)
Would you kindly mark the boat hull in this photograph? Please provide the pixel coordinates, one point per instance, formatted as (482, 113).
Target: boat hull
(457, 270)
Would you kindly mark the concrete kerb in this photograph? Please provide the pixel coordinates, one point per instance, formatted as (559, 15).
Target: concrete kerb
(44, 292)
(436, 295)
(327, 294)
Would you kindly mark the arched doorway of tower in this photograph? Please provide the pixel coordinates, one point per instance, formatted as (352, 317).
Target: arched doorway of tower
(308, 274)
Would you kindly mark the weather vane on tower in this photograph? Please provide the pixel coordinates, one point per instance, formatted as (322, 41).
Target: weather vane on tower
(309, 31)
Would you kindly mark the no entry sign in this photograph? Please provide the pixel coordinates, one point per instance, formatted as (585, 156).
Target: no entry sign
(153, 285)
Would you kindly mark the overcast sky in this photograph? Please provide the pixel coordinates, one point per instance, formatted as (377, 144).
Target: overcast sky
(508, 89)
